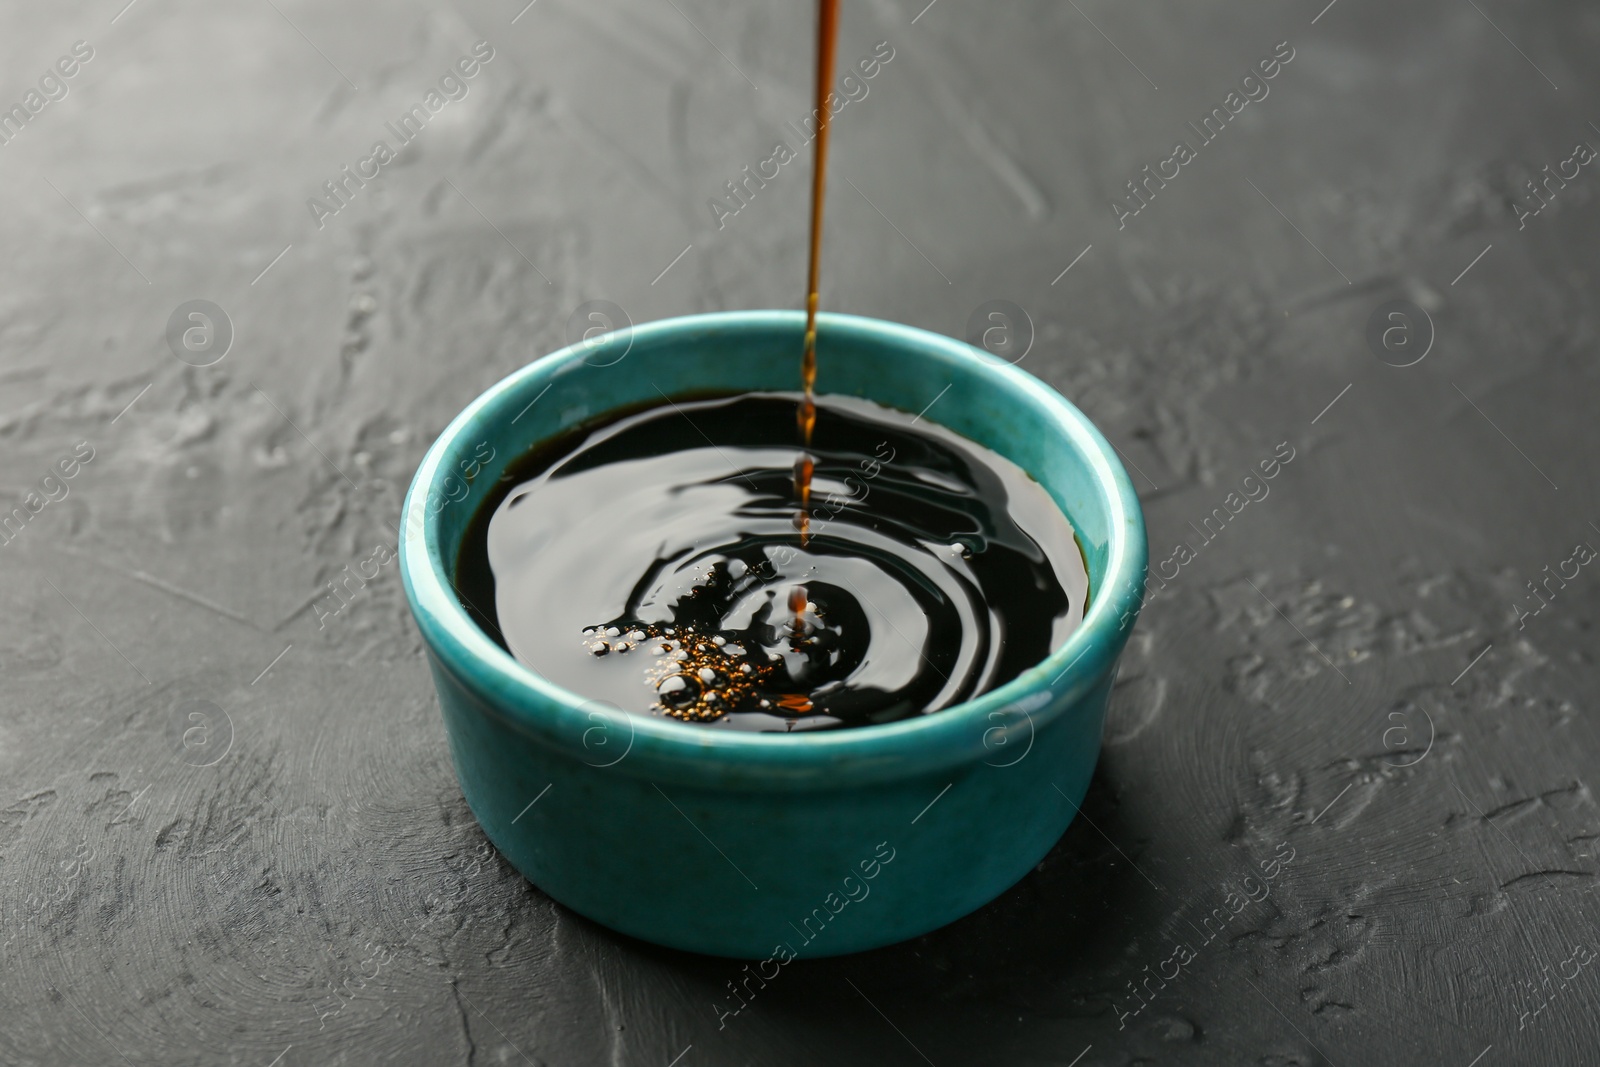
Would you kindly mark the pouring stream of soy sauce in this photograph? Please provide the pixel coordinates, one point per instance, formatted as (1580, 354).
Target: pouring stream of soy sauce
(805, 466)
(753, 613)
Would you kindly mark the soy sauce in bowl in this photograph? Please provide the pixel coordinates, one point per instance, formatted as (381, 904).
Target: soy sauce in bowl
(654, 560)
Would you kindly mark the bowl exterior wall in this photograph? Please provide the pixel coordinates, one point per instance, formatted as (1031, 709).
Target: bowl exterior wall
(725, 872)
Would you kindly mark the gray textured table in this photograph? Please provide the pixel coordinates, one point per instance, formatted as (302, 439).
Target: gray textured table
(229, 829)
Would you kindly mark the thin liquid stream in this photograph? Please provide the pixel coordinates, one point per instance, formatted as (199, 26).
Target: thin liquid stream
(827, 34)
(960, 575)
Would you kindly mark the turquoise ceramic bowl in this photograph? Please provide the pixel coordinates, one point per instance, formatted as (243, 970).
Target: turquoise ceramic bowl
(764, 846)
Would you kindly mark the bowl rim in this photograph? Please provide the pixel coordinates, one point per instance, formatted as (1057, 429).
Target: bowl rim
(535, 706)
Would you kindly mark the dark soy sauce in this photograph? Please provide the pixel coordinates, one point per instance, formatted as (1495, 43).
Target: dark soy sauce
(648, 560)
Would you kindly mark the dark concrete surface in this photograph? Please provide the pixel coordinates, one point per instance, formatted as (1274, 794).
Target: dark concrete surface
(229, 835)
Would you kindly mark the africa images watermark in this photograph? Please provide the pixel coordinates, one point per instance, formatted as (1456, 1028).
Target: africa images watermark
(1002, 329)
(1582, 555)
(1254, 489)
(1397, 738)
(1543, 992)
(56, 888)
(202, 743)
(855, 890)
(51, 489)
(52, 87)
(1255, 89)
(199, 333)
(1183, 953)
(452, 489)
(851, 89)
(605, 331)
(1552, 183)
(453, 85)
(344, 590)
(830, 507)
